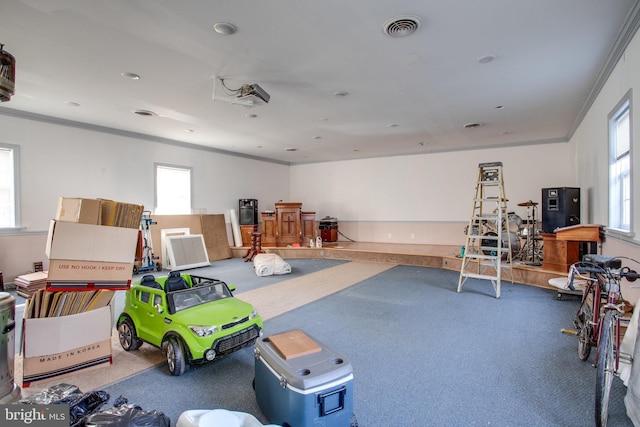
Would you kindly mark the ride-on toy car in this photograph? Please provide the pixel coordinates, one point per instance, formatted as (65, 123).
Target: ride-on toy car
(194, 319)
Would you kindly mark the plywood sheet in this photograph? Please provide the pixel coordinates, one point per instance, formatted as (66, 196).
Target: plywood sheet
(216, 240)
(294, 344)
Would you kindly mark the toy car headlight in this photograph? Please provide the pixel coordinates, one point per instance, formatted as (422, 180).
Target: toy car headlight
(253, 315)
(203, 331)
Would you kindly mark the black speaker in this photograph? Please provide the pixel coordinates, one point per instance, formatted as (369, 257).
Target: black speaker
(560, 208)
(248, 211)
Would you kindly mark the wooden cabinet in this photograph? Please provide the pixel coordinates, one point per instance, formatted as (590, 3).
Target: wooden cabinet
(268, 229)
(288, 225)
(245, 231)
(308, 227)
(558, 255)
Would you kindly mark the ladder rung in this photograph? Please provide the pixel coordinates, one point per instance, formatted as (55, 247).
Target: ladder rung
(480, 276)
(480, 256)
(486, 217)
(490, 199)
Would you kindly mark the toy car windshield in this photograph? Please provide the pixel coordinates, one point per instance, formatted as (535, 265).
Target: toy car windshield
(203, 293)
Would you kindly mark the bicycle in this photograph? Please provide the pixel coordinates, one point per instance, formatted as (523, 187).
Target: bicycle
(598, 321)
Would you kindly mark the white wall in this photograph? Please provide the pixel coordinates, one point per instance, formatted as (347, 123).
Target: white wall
(589, 147)
(67, 161)
(424, 194)
(590, 141)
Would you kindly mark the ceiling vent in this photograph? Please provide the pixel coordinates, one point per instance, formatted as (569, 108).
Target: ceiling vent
(401, 26)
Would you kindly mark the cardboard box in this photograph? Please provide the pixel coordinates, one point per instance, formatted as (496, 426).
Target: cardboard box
(54, 346)
(90, 252)
(85, 211)
(87, 242)
(89, 271)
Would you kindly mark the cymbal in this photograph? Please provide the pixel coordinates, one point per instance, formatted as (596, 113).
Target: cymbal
(529, 203)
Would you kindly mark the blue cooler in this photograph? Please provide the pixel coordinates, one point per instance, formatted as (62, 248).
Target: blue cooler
(300, 382)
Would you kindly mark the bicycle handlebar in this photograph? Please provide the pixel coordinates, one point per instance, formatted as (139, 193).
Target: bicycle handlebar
(625, 272)
(583, 269)
(629, 274)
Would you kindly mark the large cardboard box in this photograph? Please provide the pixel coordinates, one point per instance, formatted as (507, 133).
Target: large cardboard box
(90, 252)
(85, 211)
(55, 346)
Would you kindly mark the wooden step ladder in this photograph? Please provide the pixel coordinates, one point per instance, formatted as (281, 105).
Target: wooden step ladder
(487, 242)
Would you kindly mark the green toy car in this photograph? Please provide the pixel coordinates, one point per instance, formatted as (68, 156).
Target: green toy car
(195, 319)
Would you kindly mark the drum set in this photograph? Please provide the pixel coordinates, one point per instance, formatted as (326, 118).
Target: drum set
(523, 236)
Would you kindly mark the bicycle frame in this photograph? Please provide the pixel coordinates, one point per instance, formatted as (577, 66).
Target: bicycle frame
(604, 319)
(595, 288)
(610, 305)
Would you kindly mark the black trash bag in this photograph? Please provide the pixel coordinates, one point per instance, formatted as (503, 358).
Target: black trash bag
(59, 393)
(85, 406)
(80, 404)
(127, 415)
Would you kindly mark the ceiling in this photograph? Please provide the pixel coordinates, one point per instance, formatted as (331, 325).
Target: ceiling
(474, 74)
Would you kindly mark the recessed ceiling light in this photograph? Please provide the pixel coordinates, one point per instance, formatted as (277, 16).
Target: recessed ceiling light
(499, 107)
(324, 119)
(316, 137)
(188, 130)
(340, 93)
(72, 104)
(145, 113)
(251, 116)
(224, 28)
(486, 59)
(132, 76)
(393, 125)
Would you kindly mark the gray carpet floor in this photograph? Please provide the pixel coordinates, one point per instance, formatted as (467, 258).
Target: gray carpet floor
(422, 354)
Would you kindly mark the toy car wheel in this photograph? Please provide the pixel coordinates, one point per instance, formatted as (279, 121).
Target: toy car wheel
(127, 336)
(158, 266)
(175, 357)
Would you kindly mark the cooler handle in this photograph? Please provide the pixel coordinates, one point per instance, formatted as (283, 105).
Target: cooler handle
(321, 400)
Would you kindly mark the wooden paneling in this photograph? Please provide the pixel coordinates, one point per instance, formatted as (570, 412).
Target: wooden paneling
(558, 255)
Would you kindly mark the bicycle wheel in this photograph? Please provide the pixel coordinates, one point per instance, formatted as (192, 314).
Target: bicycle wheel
(583, 323)
(605, 369)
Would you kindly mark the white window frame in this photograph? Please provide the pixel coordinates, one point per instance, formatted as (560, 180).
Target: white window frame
(181, 203)
(10, 180)
(621, 167)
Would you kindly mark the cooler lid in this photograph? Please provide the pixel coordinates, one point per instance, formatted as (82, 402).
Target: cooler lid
(312, 365)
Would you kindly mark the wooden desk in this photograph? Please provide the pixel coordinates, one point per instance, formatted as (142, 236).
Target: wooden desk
(562, 248)
(579, 233)
(558, 255)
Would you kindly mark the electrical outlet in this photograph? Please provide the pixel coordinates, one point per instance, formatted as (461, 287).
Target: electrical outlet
(413, 236)
(389, 236)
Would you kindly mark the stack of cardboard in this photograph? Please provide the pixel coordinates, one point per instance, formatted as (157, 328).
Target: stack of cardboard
(28, 284)
(91, 248)
(64, 303)
(92, 241)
